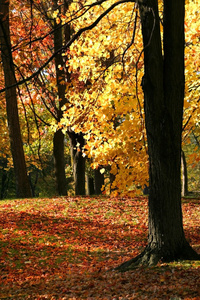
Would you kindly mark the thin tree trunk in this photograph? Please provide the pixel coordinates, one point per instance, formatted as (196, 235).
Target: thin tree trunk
(58, 140)
(3, 178)
(22, 183)
(90, 185)
(58, 151)
(112, 179)
(98, 181)
(78, 161)
(184, 175)
(62, 75)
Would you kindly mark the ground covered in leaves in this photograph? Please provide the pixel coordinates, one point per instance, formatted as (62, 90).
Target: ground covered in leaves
(66, 248)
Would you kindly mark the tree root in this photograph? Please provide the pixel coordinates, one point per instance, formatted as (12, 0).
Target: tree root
(146, 258)
(150, 257)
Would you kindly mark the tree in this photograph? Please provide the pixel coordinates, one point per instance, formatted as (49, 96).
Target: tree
(63, 78)
(58, 140)
(78, 161)
(22, 182)
(53, 14)
(122, 147)
(163, 86)
(107, 111)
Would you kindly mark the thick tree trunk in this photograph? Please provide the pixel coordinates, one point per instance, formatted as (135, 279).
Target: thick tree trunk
(163, 94)
(78, 161)
(184, 187)
(163, 86)
(22, 183)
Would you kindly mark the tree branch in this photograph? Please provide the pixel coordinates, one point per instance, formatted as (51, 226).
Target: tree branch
(69, 43)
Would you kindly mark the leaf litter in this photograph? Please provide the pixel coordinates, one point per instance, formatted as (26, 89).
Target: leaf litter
(68, 247)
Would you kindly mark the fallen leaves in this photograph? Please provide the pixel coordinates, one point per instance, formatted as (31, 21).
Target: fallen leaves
(67, 248)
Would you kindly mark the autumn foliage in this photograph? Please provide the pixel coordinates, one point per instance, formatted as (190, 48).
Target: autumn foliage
(104, 94)
(66, 248)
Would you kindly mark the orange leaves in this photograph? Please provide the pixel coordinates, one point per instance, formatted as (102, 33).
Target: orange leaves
(67, 248)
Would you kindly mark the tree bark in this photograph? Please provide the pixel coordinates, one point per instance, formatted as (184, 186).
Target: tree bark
(78, 161)
(4, 175)
(112, 179)
(90, 185)
(184, 187)
(22, 183)
(98, 181)
(163, 87)
(58, 152)
(58, 140)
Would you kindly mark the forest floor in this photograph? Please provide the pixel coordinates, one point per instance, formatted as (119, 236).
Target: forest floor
(68, 247)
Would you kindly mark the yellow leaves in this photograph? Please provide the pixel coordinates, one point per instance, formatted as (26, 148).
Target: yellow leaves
(55, 14)
(102, 171)
(192, 63)
(186, 104)
(63, 108)
(106, 110)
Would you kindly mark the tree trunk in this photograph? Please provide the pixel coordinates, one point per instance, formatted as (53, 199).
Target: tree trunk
(98, 181)
(58, 151)
(58, 140)
(62, 75)
(163, 86)
(22, 183)
(184, 175)
(3, 178)
(112, 179)
(90, 185)
(78, 161)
